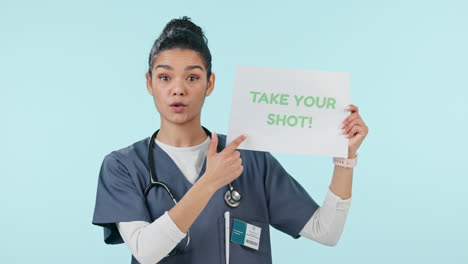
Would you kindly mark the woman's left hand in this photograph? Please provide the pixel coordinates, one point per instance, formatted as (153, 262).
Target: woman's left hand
(355, 129)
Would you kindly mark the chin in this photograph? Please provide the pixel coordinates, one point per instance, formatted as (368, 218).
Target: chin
(179, 120)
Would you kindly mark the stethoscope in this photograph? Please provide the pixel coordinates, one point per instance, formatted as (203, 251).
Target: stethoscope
(232, 196)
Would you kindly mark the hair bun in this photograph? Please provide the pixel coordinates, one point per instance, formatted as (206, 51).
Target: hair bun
(181, 26)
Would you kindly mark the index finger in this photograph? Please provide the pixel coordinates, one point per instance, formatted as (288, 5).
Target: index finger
(352, 108)
(234, 144)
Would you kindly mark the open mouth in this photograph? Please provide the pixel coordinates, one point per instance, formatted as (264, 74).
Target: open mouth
(178, 104)
(178, 107)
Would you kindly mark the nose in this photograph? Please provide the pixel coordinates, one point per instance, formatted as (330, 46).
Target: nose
(179, 88)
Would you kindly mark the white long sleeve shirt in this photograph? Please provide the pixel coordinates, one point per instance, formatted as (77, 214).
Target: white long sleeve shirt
(151, 242)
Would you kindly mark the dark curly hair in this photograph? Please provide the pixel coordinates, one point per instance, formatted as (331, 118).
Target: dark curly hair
(181, 33)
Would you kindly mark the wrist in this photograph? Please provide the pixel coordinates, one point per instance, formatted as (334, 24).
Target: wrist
(206, 185)
(352, 155)
(349, 162)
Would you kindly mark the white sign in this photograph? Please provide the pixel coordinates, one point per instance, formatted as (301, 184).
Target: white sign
(291, 111)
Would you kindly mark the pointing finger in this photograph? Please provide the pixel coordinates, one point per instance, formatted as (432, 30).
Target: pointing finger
(234, 144)
(352, 108)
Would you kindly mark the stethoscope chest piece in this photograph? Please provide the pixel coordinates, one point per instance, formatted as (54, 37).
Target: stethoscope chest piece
(232, 198)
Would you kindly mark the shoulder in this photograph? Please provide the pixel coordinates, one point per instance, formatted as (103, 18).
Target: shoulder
(137, 150)
(122, 167)
(121, 162)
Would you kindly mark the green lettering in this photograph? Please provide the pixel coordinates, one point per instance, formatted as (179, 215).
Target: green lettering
(292, 118)
(263, 98)
(309, 101)
(273, 98)
(323, 102)
(254, 96)
(279, 119)
(302, 120)
(298, 99)
(271, 119)
(284, 99)
(331, 102)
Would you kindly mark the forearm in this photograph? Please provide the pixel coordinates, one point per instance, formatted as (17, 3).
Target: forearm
(327, 223)
(342, 180)
(191, 205)
(149, 243)
(221, 169)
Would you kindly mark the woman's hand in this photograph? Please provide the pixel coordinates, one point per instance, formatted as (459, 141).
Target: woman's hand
(221, 169)
(225, 166)
(355, 128)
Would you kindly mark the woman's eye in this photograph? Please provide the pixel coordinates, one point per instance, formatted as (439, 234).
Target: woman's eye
(164, 77)
(192, 78)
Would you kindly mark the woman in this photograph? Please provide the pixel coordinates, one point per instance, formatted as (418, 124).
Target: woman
(202, 173)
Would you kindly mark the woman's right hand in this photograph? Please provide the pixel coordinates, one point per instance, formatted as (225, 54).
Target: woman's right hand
(221, 169)
(224, 167)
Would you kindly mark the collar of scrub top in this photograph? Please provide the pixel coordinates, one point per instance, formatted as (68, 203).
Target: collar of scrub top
(232, 197)
(152, 171)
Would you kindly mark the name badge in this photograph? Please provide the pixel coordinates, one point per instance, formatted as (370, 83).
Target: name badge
(246, 234)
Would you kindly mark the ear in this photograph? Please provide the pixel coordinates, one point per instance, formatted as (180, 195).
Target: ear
(211, 84)
(148, 84)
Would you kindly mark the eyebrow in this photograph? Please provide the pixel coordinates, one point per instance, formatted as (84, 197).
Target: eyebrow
(190, 67)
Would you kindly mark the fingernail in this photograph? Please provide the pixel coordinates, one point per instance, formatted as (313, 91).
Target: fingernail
(343, 131)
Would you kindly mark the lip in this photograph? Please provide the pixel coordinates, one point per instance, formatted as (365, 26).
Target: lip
(178, 107)
(178, 104)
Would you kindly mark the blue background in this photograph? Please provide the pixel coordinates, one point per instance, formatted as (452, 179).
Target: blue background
(73, 89)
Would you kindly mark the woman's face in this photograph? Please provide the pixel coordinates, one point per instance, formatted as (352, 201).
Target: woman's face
(179, 85)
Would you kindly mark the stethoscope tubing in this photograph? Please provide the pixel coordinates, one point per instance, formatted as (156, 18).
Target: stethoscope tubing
(152, 171)
(232, 197)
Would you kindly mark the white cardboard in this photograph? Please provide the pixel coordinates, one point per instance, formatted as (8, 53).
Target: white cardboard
(320, 137)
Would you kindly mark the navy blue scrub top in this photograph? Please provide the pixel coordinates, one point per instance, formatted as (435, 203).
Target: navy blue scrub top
(270, 196)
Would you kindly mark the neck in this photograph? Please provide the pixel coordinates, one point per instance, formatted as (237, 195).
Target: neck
(185, 135)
